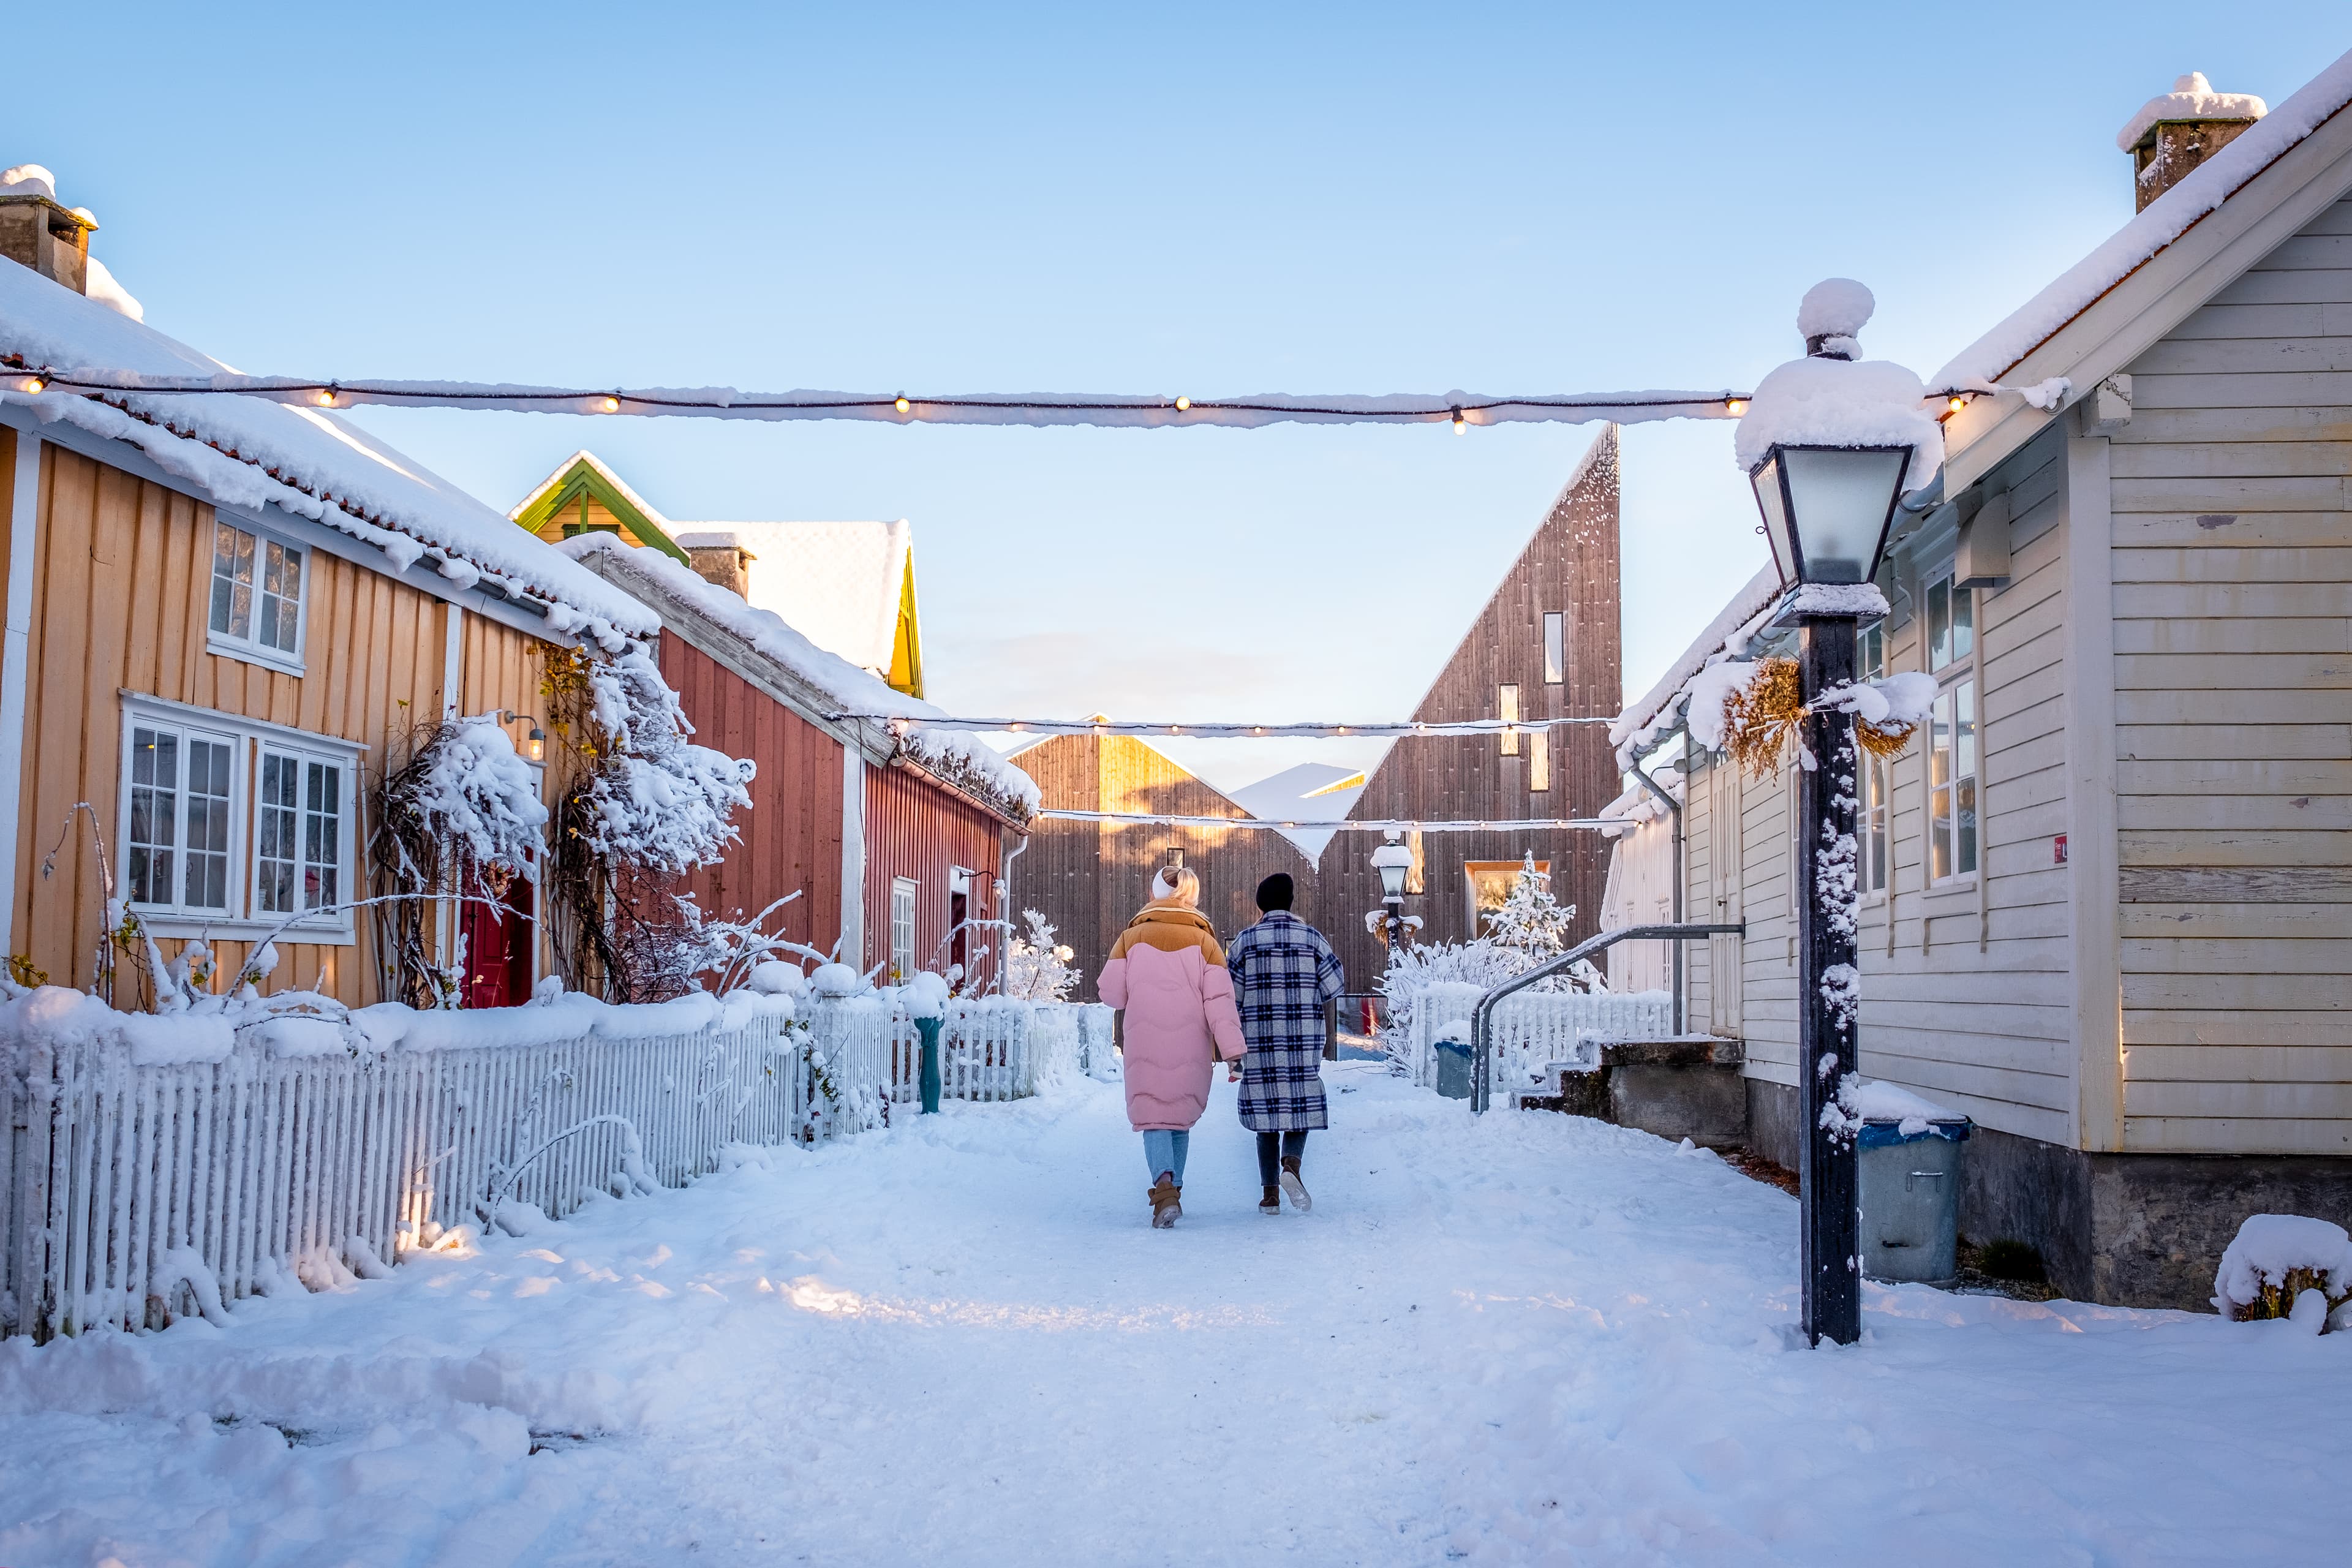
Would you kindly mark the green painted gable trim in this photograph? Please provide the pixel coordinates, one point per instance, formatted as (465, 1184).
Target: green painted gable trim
(583, 480)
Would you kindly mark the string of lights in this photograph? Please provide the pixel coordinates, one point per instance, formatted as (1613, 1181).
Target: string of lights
(1390, 824)
(1223, 731)
(1460, 409)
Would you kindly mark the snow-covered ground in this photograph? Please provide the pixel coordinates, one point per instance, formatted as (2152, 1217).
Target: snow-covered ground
(1531, 1338)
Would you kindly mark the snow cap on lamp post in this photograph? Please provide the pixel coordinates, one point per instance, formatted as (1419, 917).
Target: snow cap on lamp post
(1830, 443)
(1392, 860)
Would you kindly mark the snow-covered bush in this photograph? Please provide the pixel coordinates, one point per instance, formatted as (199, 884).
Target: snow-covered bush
(465, 791)
(2286, 1266)
(1531, 923)
(1037, 969)
(1529, 928)
(655, 801)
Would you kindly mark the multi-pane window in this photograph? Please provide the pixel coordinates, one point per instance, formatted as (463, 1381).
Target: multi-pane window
(256, 590)
(1506, 709)
(1952, 741)
(1555, 649)
(1869, 657)
(223, 820)
(176, 840)
(1538, 761)
(298, 858)
(902, 930)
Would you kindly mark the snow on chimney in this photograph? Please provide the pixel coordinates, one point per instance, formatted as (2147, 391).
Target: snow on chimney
(2175, 132)
(36, 232)
(721, 558)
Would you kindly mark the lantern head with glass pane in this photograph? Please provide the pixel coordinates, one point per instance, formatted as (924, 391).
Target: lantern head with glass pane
(1827, 510)
(1392, 860)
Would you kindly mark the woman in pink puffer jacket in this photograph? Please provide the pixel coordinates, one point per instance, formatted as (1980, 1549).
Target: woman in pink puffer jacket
(1168, 973)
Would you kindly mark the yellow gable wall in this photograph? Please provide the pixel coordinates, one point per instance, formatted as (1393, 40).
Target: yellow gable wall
(120, 599)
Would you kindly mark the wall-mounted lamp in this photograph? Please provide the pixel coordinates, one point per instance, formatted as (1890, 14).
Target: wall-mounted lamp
(535, 747)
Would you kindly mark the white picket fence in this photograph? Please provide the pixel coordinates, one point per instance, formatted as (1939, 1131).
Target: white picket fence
(130, 1194)
(1533, 1029)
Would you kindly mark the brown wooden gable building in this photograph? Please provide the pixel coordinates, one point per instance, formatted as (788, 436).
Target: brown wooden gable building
(1546, 645)
(1090, 877)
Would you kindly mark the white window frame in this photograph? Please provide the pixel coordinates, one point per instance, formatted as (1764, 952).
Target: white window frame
(251, 649)
(1877, 853)
(303, 755)
(1956, 678)
(904, 891)
(247, 739)
(184, 728)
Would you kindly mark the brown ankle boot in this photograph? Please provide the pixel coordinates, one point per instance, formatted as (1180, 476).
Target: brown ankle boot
(1272, 1202)
(1165, 1209)
(1292, 1188)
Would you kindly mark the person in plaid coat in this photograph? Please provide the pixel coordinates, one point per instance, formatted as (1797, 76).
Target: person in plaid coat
(1283, 975)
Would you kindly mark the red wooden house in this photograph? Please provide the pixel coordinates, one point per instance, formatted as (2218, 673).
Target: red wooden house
(892, 840)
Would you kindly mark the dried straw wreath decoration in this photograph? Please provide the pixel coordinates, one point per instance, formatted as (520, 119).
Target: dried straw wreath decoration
(1760, 720)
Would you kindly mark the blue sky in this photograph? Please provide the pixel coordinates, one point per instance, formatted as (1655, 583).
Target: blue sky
(1199, 198)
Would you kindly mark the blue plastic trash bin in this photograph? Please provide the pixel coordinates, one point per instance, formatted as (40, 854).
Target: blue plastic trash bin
(1453, 1069)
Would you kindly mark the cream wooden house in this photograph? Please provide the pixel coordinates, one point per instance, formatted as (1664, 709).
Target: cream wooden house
(2108, 898)
(224, 615)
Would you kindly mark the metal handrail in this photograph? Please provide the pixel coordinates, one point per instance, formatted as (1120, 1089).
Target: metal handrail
(1482, 1016)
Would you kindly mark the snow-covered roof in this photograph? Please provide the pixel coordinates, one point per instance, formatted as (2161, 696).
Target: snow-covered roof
(1639, 724)
(251, 452)
(833, 685)
(1311, 791)
(2165, 220)
(838, 582)
(2192, 98)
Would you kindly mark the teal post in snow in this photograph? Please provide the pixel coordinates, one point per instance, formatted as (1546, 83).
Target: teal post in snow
(930, 1029)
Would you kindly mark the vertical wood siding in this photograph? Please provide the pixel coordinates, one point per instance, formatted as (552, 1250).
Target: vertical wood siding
(1090, 878)
(791, 834)
(921, 829)
(2232, 530)
(1569, 567)
(121, 603)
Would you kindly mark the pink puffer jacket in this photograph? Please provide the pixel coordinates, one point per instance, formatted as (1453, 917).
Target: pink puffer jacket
(1168, 973)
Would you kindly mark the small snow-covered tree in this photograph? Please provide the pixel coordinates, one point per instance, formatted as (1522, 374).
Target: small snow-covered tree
(1530, 922)
(645, 806)
(1035, 968)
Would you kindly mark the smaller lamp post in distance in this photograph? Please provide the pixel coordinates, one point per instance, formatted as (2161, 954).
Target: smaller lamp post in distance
(1392, 860)
(1830, 443)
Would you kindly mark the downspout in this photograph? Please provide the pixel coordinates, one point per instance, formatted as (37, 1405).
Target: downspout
(1675, 812)
(1005, 911)
(16, 659)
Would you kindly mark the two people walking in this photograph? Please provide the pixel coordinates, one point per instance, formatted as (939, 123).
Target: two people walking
(1258, 1008)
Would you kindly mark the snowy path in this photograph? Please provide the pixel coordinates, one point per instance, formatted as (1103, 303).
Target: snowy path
(1532, 1339)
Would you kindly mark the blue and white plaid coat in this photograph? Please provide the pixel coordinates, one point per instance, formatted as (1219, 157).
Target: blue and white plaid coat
(1284, 972)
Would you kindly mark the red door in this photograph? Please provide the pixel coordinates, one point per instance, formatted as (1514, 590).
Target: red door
(499, 948)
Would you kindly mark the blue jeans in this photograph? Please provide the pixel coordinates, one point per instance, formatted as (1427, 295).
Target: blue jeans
(1164, 1151)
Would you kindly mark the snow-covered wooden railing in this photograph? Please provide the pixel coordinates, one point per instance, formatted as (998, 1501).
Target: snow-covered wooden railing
(1533, 1029)
(990, 1048)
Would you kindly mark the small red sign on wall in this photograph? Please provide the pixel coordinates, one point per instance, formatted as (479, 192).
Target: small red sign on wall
(2058, 850)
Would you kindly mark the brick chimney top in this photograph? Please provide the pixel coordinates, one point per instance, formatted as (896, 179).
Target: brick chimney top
(36, 231)
(720, 557)
(2175, 132)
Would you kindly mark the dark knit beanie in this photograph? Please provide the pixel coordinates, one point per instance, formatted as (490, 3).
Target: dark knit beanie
(1275, 893)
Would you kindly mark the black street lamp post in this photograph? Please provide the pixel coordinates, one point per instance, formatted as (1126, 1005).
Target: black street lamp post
(1827, 508)
(1392, 860)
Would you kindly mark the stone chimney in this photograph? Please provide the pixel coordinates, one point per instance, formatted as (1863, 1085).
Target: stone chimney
(2174, 132)
(719, 558)
(36, 232)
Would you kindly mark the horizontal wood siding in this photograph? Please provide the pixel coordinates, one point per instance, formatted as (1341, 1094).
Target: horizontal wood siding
(921, 829)
(792, 836)
(1971, 1011)
(2232, 527)
(119, 602)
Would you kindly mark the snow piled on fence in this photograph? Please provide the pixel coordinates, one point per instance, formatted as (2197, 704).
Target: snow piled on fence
(252, 452)
(1520, 1339)
(2164, 220)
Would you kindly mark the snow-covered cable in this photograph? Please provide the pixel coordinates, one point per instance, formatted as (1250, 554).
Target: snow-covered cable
(1460, 409)
(1386, 825)
(1222, 730)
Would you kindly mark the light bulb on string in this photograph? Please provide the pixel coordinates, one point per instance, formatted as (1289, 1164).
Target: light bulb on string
(1461, 425)
(1735, 406)
(609, 405)
(327, 397)
(1184, 405)
(1956, 402)
(902, 405)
